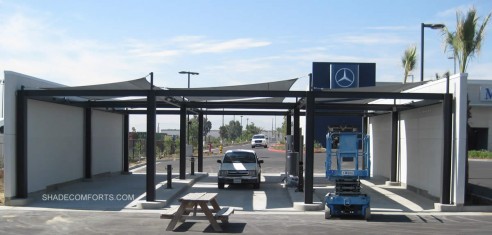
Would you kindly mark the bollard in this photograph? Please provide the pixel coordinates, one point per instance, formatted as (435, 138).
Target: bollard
(220, 149)
(169, 176)
(192, 165)
(300, 185)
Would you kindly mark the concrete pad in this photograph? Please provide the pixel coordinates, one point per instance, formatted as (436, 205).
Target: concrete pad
(461, 208)
(151, 205)
(17, 201)
(391, 183)
(297, 199)
(301, 206)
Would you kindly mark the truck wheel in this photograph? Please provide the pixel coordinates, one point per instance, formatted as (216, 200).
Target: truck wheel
(327, 212)
(367, 213)
(221, 185)
(266, 146)
(257, 184)
(252, 146)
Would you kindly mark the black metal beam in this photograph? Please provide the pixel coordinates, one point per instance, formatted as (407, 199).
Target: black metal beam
(87, 143)
(447, 153)
(200, 142)
(394, 146)
(21, 145)
(245, 112)
(150, 176)
(377, 95)
(243, 105)
(182, 143)
(126, 130)
(215, 112)
(308, 183)
(237, 93)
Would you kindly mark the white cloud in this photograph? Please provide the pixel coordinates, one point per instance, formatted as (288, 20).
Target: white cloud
(372, 39)
(388, 28)
(226, 46)
(451, 12)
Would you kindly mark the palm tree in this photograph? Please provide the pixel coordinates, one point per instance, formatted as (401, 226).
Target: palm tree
(408, 60)
(465, 43)
(467, 40)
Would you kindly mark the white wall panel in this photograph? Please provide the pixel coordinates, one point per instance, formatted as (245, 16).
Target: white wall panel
(421, 147)
(54, 144)
(107, 142)
(380, 133)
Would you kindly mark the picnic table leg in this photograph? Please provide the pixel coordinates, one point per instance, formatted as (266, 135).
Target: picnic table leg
(216, 207)
(177, 217)
(210, 216)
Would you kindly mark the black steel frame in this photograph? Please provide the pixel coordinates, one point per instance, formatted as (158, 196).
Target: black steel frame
(152, 107)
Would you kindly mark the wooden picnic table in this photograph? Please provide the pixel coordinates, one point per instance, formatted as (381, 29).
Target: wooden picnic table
(190, 202)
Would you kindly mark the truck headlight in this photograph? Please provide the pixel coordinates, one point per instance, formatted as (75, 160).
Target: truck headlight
(222, 173)
(252, 173)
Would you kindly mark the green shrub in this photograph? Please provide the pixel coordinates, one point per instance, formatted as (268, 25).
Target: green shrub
(480, 154)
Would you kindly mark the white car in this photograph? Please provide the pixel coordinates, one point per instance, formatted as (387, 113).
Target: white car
(239, 166)
(259, 140)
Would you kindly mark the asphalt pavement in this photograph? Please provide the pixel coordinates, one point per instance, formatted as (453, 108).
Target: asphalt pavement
(112, 204)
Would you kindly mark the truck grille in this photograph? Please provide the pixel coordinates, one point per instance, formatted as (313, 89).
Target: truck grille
(237, 173)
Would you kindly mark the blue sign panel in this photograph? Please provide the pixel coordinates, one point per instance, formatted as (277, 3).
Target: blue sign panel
(344, 75)
(486, 94)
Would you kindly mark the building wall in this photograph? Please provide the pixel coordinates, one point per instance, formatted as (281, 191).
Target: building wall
(55, 139)
(55, 144)
(13, 82)
(421, 146)
(481, 110)
(421, 142)
(107, 142)
(481, 117)
(379, 131)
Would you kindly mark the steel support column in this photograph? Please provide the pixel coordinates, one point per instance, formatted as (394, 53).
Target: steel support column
(297, 131)
(182, 142)
(151, 113)
(364, 124)
(87, 143)
(126, 130)
(21, 145)
(200, 142)
(308, 183)
(394, 147)
(289, 124)
(447, 153)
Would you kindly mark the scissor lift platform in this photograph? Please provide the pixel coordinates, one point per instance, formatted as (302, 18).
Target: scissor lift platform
(347, 161)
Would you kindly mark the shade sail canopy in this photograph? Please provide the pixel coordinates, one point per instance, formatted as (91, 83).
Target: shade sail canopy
(284, 85)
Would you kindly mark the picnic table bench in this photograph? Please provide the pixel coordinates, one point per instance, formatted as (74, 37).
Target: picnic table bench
(189, 204)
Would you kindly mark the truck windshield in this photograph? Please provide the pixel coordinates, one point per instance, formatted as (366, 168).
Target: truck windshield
(259, 137)
(239, 157)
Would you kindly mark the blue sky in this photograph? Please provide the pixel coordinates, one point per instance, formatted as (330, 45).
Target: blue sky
(227, 42)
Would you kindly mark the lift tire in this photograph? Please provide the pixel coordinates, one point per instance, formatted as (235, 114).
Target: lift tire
(221, 185)
(327, 213)
(367, 213)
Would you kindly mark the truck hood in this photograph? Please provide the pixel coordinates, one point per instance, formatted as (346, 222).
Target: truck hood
(238, 166)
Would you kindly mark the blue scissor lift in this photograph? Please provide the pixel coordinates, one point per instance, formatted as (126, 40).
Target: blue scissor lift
(347, 161)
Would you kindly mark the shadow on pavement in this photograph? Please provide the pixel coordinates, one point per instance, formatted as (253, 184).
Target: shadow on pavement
(199, 227)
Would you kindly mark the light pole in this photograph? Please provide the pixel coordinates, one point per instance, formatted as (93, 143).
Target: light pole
(188, 118)
(241, 122)
(454, 63)
(432, 26)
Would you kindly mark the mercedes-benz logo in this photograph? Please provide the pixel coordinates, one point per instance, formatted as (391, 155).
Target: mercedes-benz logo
(344, 77)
